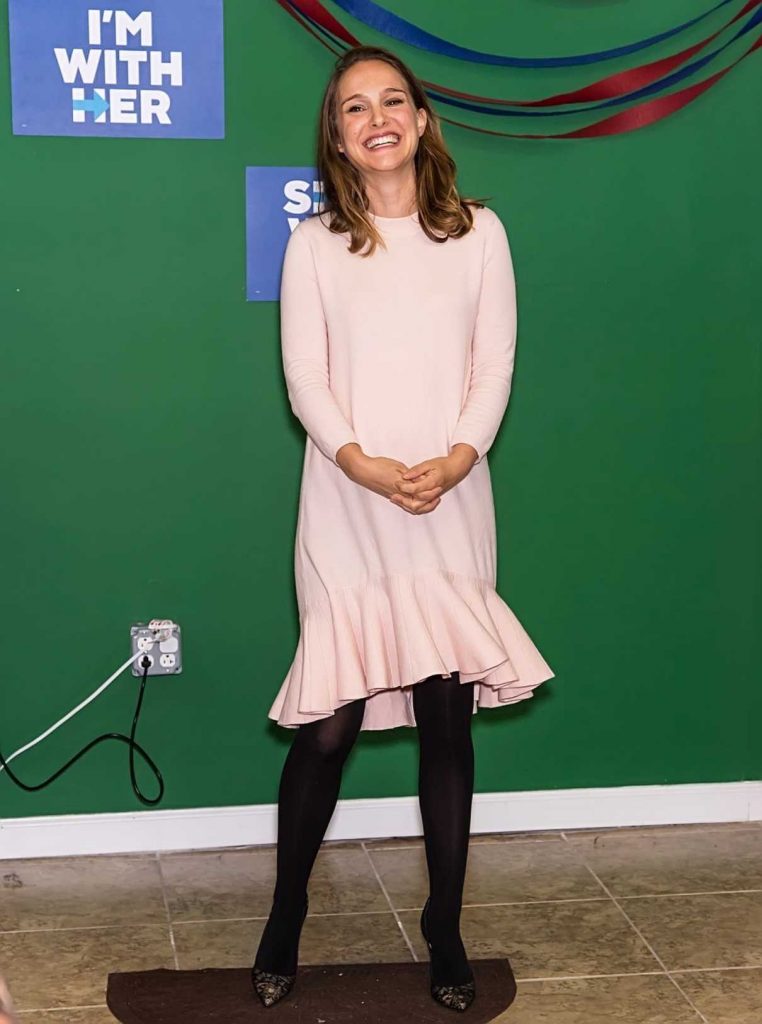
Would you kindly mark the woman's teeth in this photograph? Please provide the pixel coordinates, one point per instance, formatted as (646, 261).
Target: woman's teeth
(382, 140)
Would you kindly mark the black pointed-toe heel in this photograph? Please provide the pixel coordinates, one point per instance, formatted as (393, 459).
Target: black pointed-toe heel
(455, 997)
(271, 988)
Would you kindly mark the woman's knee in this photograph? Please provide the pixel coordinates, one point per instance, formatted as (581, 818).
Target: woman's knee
(331, 739)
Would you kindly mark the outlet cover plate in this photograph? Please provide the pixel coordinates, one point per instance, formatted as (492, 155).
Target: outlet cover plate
(166, 652)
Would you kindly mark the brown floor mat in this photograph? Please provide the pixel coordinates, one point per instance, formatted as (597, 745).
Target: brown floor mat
(323, 994)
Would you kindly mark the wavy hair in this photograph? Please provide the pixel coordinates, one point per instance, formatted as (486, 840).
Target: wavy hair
(442, 212)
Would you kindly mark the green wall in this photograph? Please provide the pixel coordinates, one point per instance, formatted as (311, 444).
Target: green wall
(150, 462)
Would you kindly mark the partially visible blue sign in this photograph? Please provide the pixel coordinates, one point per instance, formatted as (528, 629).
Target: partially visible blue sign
(277, 198)
(81, 69)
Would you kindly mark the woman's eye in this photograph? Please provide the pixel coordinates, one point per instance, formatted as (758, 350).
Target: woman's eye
(358, 106)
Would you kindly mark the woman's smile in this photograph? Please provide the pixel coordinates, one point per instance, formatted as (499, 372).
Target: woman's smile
(377, 141)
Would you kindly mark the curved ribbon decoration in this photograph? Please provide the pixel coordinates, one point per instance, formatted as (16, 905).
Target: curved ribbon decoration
(648, 90)
(619, 84)
(635, 117)
(375, 16)
(613, 90)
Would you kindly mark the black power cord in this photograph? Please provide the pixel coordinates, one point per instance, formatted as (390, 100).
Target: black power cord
(131, 742)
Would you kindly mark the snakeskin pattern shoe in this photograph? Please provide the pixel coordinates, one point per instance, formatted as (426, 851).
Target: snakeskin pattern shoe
(455, 997)
(271, 988)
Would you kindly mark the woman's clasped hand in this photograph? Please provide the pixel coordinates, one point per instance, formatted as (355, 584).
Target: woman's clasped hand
(415, 489)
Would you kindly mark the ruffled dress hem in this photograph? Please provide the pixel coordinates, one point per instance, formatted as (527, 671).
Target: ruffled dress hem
(379, 639)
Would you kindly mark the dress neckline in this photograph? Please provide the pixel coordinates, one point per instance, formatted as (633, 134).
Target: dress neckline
(396, 225)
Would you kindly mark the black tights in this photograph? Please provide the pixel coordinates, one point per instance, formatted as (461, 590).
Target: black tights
(309, 788)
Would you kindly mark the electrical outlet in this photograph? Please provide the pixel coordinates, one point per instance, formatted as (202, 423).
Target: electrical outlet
(160, 641)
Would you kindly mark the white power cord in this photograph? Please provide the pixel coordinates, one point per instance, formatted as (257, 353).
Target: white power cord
(75, 710)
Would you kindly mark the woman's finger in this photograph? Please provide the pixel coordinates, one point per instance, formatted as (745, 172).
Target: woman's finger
(429, 506)
(426, 481)
(414, 507)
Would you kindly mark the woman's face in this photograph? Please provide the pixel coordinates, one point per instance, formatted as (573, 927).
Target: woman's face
(373, 103)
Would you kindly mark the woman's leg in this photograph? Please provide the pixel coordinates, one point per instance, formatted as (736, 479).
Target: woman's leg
(443, 708)
(309, 788)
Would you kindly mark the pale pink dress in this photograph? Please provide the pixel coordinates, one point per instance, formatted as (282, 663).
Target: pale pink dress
(407, 352)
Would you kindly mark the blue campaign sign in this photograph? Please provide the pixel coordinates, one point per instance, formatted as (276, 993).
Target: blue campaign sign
(277, 198)
(155, 70)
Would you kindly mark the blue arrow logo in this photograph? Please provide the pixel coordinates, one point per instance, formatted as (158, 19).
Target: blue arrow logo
(97, 105)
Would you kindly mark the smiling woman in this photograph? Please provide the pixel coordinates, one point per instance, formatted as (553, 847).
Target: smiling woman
(398, 331)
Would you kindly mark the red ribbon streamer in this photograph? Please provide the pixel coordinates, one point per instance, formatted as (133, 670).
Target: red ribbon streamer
(305, 24)
(607, 88)
(612, 86)
(628, 120)
(315, 10)
(619, 84)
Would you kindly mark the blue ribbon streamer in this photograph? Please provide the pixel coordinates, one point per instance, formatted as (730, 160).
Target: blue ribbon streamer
(648, 90)
(377, 17)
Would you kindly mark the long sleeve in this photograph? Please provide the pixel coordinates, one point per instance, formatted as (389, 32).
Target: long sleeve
(304, 350)
(493, 346)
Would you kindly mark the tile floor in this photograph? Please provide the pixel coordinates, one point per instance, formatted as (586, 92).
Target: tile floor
(657, 925)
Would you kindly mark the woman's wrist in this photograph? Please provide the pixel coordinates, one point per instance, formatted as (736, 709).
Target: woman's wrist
(348, 456)
(463, 456)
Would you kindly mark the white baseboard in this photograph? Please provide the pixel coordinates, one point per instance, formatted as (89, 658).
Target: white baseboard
(219, 827)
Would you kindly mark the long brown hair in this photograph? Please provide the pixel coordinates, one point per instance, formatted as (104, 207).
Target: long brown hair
(442, 212)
